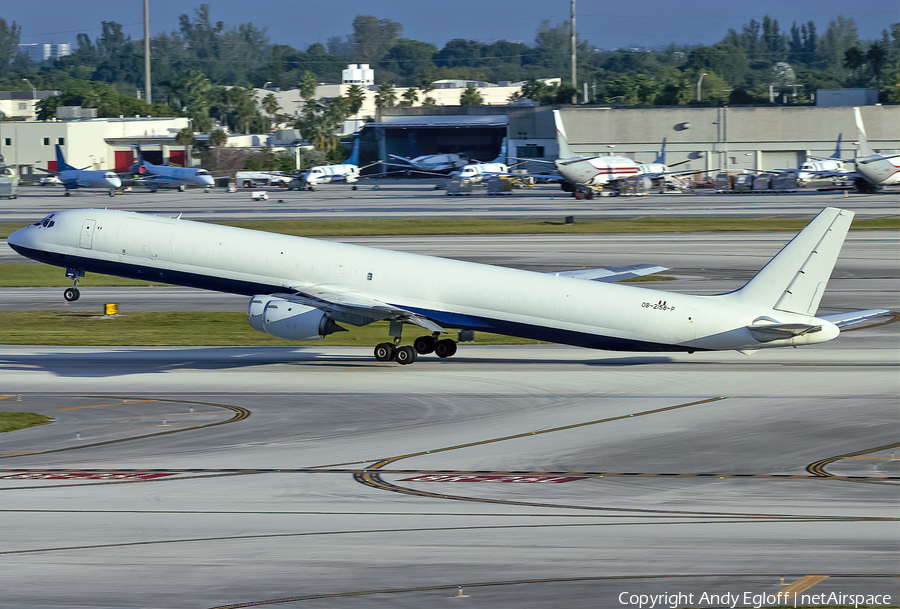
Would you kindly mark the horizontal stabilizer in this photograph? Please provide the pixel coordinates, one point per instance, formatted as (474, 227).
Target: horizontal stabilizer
(842, 320)
(769, 332)
(613, 273)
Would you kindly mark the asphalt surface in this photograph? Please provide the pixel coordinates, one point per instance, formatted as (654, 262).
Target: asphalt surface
(412, 198)
(531, 476)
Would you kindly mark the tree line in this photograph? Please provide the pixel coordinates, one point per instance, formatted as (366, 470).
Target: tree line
(206, 69)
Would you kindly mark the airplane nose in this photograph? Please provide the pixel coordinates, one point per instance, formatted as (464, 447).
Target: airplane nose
(114, 182)
(19, 239)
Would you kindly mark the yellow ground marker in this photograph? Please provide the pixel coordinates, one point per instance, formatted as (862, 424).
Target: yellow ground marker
(102, 405)
(801, 585)
(6, 397)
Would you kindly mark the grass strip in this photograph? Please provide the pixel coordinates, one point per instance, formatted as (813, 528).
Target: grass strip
(11, 421)
(185, 328)
(522, 226)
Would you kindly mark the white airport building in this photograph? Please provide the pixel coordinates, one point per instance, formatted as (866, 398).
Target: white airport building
(97, 143)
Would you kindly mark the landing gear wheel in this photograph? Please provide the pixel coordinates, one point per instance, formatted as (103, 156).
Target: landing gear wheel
(445, 348)
(405, 355)
(310, 188)
(182, 188)
(424, 344)
(112, 193)
(354, 187)
(71, 294)
(384, 352)
(68, 194)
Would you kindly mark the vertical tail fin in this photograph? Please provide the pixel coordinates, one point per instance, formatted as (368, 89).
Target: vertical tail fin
(354, 156)
(837, 149)
(61, 164)
(140, 156)
(564, 151)
(864, 149)
(661, 159)
(501, 158)
(795, 279)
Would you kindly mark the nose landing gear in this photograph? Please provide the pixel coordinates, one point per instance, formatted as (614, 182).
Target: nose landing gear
(72, 294)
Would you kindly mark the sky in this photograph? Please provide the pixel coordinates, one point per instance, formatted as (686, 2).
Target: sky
(648, 23)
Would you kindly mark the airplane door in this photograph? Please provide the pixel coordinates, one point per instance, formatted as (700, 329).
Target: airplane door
(87, 233)
(689, 327)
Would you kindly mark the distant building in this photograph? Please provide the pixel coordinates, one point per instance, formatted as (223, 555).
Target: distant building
(846, 97)
(38, 52)
(358, 74)
(21, 104)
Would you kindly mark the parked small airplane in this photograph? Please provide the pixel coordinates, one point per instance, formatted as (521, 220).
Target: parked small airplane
(301, 289)
(819, 167)
(348, 172)
(434, 163)
(72, 178)
(168, 176)
(477, 172)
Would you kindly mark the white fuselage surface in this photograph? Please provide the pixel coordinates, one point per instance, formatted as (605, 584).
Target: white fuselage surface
(451, 293)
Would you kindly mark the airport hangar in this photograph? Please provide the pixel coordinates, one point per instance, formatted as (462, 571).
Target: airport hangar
(715, 139)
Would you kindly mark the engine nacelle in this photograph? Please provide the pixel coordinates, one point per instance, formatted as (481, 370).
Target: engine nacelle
(289, 320)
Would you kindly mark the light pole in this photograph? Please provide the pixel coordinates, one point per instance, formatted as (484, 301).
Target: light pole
(699, 82)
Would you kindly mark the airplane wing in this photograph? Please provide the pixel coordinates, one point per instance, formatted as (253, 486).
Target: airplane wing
(842, 320)
(354, 308)
(613, 273)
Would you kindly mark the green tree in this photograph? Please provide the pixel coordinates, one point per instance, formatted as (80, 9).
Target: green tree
(218, 138)
(410, 97)
(308, 85)
(270, 104)
(410, 58)
(470, 97)
(373, 37)
(356, 97)
(9, 41)
(429, 101)
(386, 97)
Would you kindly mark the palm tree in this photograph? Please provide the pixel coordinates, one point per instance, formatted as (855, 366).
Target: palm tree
(386, 96)
(410, 97)
(471, 97)
(357, 97)
(217, 138)
(308, 85)
(270, 104)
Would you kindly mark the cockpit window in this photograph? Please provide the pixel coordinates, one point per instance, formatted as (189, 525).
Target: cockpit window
(202, 172)
(109, 174)
(46, 222)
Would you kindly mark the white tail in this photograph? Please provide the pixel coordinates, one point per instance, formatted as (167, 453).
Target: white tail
(561, 139)
(795, 279)
(864, 149)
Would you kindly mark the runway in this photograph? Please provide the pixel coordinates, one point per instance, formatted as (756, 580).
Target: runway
(412, 198)
(522, 474)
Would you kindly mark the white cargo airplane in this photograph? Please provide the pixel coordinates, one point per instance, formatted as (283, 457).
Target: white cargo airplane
(302, 288)
(875, 170)
(600, 171)
(168, 176)
(72, 178)
(476, 172)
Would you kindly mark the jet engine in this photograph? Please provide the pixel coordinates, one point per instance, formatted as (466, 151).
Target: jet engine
(289, 320)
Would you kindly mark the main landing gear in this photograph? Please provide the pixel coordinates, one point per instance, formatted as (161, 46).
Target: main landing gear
(72, 294)
(385, 352)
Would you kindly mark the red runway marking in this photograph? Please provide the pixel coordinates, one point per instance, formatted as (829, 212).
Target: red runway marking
(86, 476)
(485, 478)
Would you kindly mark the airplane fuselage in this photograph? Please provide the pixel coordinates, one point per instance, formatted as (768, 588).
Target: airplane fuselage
(452, 293)
(173, 177)
(879, 169)
(84, 178)
(597, 171)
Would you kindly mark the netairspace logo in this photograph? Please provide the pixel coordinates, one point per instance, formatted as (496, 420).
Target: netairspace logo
(750, 599)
